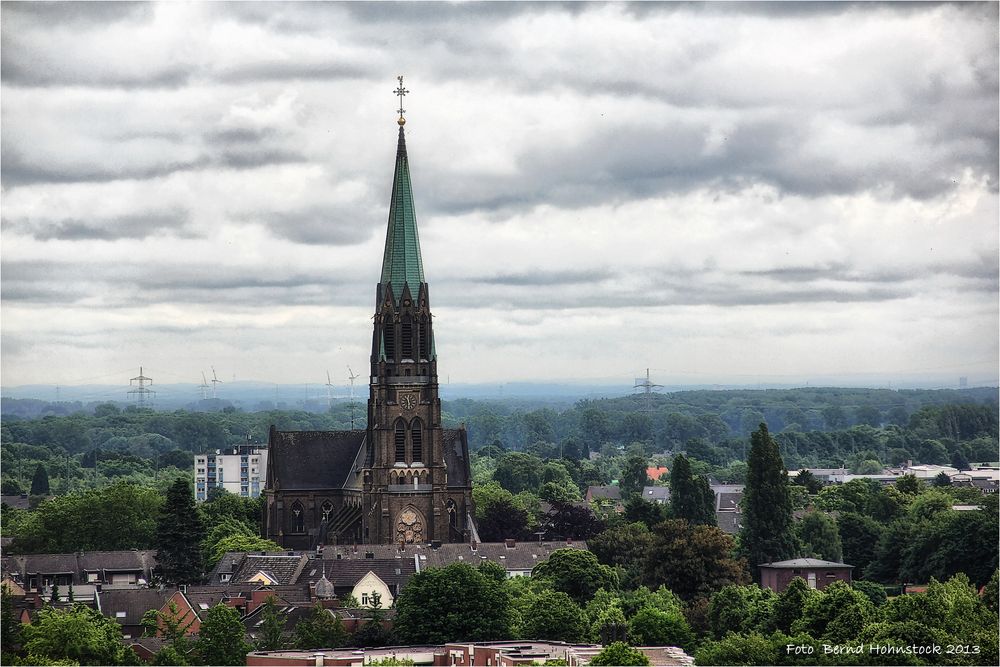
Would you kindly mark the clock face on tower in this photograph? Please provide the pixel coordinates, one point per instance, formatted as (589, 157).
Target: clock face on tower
(408, 401)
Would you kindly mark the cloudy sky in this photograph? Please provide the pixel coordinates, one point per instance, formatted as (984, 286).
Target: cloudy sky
(719, 192)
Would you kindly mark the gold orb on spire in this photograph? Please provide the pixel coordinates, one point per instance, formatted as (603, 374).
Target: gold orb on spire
(401, 121)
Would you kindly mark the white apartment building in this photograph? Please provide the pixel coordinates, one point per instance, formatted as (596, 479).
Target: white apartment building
(240, 470)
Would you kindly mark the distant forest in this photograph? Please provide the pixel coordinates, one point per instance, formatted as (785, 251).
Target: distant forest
(862, 429)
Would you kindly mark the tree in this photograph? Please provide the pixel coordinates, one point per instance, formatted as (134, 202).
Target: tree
(272, 627)
(517, 471)
(619, 653)
(859, 537)
(692, 561)
(767, 534)
(577, 573)
(623, 546)
(691, 498)
(788, 607)
(499, 515)
(609, 624)
(633, 476)
(735, 649)
(320, 629)
(637, 509)
(569, 521)
(838, 613)
(81, 634)
(819, 537)
(426, 612)
(741, 609)
(220, 638)
(655, 627)
(809, 481)
(179, 533)
(554, 615)
(10, 625)
(373, 632)
(238, 542)
(40, 481)
(875, 592)
(958, 461)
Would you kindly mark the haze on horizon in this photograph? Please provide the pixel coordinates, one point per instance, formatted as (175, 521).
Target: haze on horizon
(759, 192)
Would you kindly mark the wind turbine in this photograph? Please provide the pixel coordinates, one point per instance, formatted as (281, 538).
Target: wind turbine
(329, 391)
(215, 381)
(203, 386)
(352, 376)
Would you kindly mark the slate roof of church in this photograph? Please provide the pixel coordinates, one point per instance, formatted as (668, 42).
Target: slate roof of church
(456, 456)
(313, 459)
(401, 262)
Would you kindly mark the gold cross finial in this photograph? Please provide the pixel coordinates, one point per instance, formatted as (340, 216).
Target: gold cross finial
(400, 92)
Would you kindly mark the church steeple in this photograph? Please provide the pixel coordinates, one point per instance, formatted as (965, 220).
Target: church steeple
(401, 262)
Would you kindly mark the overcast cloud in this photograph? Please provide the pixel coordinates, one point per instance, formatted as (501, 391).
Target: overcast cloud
(776, 190)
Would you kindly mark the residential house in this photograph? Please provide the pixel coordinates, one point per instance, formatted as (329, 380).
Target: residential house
(656, 494)
(127, 606)
(817, 573)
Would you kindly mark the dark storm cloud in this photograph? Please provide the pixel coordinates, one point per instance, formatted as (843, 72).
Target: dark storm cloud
(19, 169)
(136, 226)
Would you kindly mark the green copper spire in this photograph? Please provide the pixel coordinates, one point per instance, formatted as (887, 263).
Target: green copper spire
(401, 262)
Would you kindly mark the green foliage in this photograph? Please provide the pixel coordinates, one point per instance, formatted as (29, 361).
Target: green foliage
(691, 498)
(838, 614)
(577, 573)
(220, 638)
(808, 480)
(741, 609)
(633, 475)
(608, 624)
(554, 615)
(787, 609)
(819, 537)
(426, 612)
(625, 546)
(10, 625)
(271, 633)
(692, 561)
(767, 534)
(117, 517)
(619, 653)
(40, 481)
(79, 634)
(499, 514)
(735, 649)
(873, 591)
(991, 593)
(320, 629)
(655, 627)
(239, 542)
(517, 471)
(179, 533)
(859, 536)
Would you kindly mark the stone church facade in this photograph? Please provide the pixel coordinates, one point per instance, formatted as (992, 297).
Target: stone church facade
(404, 478)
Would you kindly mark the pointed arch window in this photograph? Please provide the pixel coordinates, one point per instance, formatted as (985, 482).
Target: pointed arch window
(399, 439)
(298, 518)
(417, 440)
(389, 338)
(425, 339)
(406, 335)
(327, 510)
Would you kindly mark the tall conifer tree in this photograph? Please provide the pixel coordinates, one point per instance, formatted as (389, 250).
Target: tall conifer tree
(691, 498)
(179, 532)
(768, 533)
(40, 481)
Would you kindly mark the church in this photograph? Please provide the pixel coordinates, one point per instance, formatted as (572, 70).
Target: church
(404, 479)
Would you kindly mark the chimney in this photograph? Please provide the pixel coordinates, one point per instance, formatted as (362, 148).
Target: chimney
(510, 543)
(569, 540)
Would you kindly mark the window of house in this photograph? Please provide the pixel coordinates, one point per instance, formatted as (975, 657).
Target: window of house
(364, 598)
(91, 576)
(119, 614)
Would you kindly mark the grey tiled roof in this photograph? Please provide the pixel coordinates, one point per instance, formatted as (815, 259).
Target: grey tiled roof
(610, 492)
(523, 556)
(283, 569)
(134, 602)
(19, 502)
(729, 522)
(654, 493)
(805, 563)
(392, 571)
(79, 563)
(313, 459)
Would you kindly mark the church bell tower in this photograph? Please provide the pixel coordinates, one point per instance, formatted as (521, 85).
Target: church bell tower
(407, 495)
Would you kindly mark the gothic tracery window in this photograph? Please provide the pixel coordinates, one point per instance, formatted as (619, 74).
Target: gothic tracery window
(298, 518)
(327, 510)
